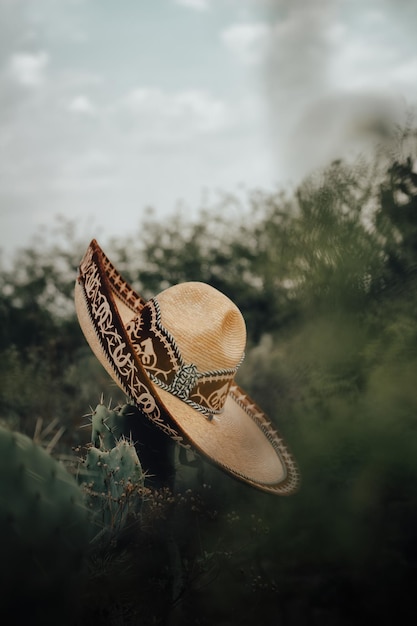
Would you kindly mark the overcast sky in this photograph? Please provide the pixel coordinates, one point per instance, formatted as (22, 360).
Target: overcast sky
(110, 106)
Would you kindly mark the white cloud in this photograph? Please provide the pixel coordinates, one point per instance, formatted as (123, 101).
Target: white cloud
(406, 72)
(248, 41)
(375, 17)
(363, 64)
(205, 112)
(336, 33)
(82, 105)
(93, 169)
(197, 5)
(28, 68)
(166, 116)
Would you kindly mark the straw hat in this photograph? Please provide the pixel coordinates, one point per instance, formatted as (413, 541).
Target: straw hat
(176, 357)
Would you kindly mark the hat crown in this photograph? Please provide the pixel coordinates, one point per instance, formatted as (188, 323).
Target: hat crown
(208, 328)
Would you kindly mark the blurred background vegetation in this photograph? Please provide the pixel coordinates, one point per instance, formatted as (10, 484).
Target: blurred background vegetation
(326, 279)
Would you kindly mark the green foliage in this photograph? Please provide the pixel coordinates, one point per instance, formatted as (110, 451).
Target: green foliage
(44, 362)
(36, 294)
(33, 386)
(396, 223)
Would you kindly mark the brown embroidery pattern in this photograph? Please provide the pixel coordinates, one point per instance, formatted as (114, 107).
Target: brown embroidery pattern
(204, 391)
(115, 346)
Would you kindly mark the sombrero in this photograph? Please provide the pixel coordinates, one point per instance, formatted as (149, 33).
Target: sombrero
(176, 356)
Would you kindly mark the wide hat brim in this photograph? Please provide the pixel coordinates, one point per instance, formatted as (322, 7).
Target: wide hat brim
(242, 440)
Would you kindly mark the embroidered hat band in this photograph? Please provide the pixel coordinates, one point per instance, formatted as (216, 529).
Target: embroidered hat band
(161, 357)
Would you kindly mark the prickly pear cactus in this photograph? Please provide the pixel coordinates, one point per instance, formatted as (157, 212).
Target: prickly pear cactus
(115, 480)
(109, 425)
(111, 474)
(44, 529)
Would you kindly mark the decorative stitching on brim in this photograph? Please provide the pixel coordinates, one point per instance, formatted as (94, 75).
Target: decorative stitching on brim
(292, 478)
(120, 287)
(109, 333)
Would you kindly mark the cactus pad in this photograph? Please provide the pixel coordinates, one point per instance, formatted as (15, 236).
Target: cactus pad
(44, 527)
(107, 427)
(113, 480)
